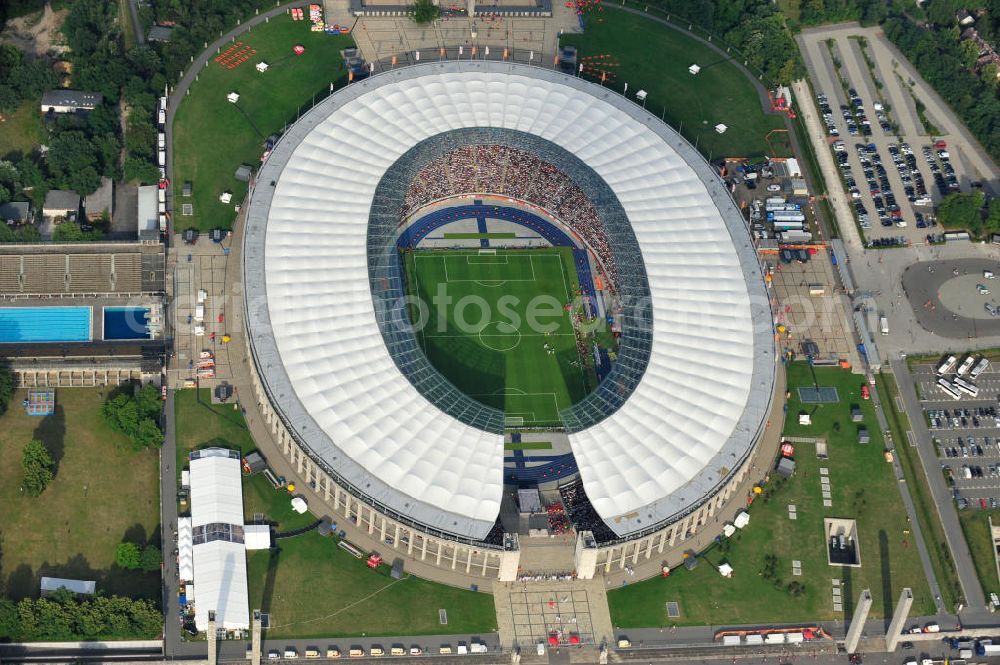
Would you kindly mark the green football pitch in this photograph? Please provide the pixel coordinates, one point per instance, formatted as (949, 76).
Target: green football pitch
(500, 332)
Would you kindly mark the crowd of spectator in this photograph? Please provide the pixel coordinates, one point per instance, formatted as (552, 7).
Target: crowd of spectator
(582, 513)
(558, 522)
(517, 174)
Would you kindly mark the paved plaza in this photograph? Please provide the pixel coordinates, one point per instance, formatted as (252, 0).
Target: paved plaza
(201, 266)
(821, 317)
(528, 613)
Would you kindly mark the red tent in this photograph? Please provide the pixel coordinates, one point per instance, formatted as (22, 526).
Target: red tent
(299, 49)
(553, 641)
(574, 639)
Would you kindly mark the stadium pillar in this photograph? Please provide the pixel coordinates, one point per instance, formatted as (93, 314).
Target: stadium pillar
(470, 8)
(585, 557)
(212, 649)
(899, 617)
(255, 639)
(858, 621)
(510, 560)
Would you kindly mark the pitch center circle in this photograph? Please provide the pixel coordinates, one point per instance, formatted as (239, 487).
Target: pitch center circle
(499, 336)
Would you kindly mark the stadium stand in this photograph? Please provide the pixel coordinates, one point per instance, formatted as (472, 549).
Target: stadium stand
(507, 171)
(10, 274)
(89, 273)
(582, 513)
(44, 273)
(94, 269)
(127, 273)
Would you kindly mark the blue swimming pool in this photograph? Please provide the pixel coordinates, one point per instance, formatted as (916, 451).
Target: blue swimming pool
(44, 324)
(126, 323)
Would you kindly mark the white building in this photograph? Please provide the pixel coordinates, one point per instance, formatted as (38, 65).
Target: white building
(220, 565)
(149, 225)
(70, 101)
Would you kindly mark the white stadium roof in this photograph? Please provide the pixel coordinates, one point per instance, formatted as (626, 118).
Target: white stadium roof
(705, 394)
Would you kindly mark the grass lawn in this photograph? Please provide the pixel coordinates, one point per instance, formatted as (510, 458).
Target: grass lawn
(201, 424)
(655, 58)
(286, 583)
(213, 137)
(21, 131)
(862, 487)
(930, 524)
(352, 598)
(102, 493)
(976, 527)
(500, 358)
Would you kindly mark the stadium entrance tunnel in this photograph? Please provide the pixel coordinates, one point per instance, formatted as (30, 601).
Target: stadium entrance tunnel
(453, 314)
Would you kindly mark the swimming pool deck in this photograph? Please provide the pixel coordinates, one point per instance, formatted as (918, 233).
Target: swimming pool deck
(96, 306)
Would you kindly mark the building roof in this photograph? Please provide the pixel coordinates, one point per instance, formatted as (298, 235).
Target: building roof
(61, 199)
(160, 33)
(78, 99)
(220, 567)
(76, 586)
(102, 199)
(350, 404)
(17, 211)
(257, 536)
(216, 489)
(147, 206)
(220, 571)
(786, 467)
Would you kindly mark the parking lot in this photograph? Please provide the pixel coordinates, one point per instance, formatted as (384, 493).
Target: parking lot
(894, 171)
(965, 433)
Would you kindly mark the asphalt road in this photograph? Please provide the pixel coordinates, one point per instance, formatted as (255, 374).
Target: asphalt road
(975, 600)
(168, 520)
(140, 37)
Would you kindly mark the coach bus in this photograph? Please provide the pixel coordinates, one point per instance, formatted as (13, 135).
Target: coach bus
(969, 389)
(979, 368)
(966, 365)
(946, 386)
(946, 365)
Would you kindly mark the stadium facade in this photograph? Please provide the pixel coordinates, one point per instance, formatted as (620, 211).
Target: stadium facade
(388, 442)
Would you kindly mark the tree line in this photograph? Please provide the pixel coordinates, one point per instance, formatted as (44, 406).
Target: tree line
(939, 56)
(62, 616)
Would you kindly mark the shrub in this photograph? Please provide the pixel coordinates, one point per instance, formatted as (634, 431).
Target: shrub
(37, 464)
(128, 556)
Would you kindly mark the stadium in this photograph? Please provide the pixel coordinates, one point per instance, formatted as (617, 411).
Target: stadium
(443, 258)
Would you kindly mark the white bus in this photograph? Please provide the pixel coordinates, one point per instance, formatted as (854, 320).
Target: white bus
(966, 365)
(946, 386)
(969, 389)
(946, 365)
(979, 368)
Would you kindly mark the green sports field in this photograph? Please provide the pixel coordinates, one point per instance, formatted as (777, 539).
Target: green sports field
(501, 333)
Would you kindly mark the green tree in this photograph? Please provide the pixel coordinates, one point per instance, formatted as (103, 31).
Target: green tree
(37, 465)
(10, 624)
(141, 169)
(136, 416)
(72, 232)
(993, 215)
(962, 210)
(6, 387)
(424, 11)
(128, 556)
(151, 559)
